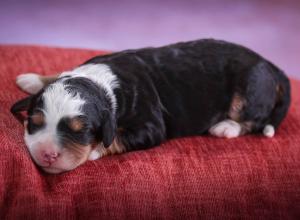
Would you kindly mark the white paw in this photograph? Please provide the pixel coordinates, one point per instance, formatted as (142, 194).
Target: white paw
(30, 82)
(227, 128)
(94, 155)
(269, 131)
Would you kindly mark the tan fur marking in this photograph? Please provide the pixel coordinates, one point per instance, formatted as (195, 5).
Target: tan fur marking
(79, 151)
(38, 118)
(75, 124)
(236, 107)
(115, 148)
(46, 80)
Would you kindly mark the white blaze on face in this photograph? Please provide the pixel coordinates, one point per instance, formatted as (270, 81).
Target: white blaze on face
(102, 75)
(59, 103)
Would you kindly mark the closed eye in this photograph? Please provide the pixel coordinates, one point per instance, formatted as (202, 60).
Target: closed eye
(73, 130)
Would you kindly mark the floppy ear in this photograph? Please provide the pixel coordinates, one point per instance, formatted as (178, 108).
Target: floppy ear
(108, 129)
(20, 106)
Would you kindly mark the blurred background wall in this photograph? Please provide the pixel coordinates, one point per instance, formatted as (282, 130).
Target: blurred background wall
(272, 28)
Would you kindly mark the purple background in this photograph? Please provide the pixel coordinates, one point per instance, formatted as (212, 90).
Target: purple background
(272, 28)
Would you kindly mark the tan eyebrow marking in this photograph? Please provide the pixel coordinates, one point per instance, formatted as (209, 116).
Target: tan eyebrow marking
(38, 118)
(76, 124)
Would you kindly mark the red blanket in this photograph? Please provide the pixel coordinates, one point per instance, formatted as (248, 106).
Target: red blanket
(199, 177)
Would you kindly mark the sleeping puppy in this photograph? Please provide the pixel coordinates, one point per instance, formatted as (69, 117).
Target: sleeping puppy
(136, 99)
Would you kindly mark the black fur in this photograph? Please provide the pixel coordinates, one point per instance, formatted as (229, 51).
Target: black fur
(181, 90)
(185, 88)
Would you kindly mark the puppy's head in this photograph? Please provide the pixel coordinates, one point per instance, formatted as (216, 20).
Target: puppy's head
(64, 121)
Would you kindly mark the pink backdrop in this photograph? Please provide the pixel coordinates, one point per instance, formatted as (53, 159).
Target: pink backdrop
(271, 28)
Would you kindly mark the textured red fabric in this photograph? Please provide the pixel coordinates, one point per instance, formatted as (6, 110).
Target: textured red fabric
(250, 177)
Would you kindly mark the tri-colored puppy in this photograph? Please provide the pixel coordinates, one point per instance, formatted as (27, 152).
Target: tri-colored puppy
(137, 99)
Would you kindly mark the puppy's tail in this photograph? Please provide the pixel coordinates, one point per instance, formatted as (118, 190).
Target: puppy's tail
(282, 103)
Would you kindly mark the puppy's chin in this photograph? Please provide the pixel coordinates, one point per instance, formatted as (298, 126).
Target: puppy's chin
(57, 170)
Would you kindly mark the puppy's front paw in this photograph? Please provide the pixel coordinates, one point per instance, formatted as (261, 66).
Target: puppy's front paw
(94, 155)
(30, 82)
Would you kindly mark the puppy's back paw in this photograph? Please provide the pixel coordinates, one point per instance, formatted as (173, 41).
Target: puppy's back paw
(227, 129)
(30, 82)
